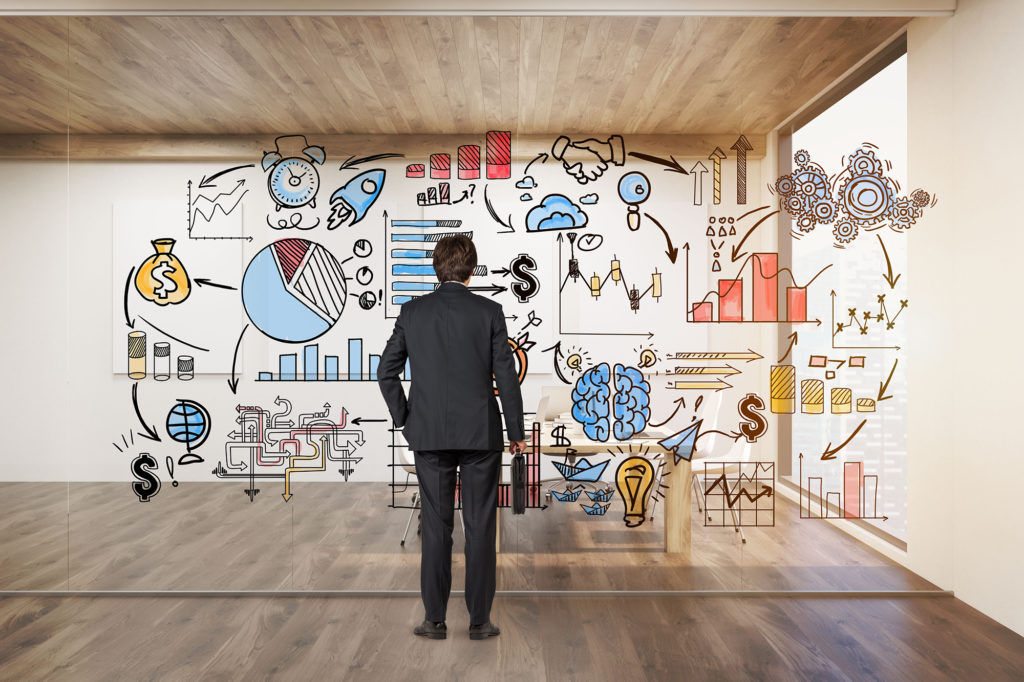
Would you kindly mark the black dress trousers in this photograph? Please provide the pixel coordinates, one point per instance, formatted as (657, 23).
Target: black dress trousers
(479, 471)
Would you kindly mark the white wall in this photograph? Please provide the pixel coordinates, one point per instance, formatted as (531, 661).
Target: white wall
(966, 464)
(65, 406)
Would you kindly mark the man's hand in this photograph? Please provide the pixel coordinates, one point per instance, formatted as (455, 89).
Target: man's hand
(517, 446)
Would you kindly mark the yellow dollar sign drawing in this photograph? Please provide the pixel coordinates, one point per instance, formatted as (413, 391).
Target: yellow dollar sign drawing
(161, 277)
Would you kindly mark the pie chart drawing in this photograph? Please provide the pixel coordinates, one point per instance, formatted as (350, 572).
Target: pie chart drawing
(294, 290)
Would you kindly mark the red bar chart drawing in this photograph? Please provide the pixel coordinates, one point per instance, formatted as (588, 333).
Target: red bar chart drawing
(469, 162)
(761, 305)
(440, 166)
(499, 154)
(857, 497)
(765, 287)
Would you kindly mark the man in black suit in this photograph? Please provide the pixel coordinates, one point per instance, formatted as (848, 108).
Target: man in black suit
(455, 341)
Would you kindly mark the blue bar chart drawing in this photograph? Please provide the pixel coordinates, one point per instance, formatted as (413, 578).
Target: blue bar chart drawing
(359, 369)
(409, 271)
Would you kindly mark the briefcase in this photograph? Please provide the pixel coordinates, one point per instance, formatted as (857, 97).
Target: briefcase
(518, 482)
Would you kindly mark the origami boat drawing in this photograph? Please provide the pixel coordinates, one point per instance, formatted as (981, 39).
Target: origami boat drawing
(568, 495)
(582, 471)
(596, 509)
(600, 495)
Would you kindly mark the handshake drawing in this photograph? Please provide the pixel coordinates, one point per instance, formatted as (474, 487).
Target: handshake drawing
(588, 159)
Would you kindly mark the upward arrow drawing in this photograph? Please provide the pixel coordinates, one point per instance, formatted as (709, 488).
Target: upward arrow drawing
(741, 146)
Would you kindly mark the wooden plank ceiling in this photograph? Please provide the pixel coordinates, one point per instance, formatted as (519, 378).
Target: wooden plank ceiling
(419, 74)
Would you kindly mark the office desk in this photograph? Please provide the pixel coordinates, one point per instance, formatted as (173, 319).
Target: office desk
(677, 477)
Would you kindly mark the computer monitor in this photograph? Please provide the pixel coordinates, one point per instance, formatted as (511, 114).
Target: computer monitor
(554, 400)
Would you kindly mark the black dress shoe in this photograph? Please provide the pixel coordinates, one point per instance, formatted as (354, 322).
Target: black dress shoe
(484, 631)
(431, 630)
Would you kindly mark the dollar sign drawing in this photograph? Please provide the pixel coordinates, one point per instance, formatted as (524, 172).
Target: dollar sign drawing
(558, 433)
(162, 284)
(148, 484)
(755, 424)
(526, 286)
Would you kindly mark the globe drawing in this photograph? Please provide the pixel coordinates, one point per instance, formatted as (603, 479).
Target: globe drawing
(294, 290)
(188, 422)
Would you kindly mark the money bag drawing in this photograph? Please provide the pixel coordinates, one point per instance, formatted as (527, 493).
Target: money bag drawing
(161, 277)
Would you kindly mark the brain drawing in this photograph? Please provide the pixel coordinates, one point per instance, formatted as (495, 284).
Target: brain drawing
(590, 401)
(631, 404)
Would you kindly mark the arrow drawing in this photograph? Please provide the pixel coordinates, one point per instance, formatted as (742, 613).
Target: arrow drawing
(713, 385)
(150, 433)
(741, 146)
(233, 381)
(128, 320)
(202, 281)
(888, 265)
(494, 215)
(672, 252)
(542, 157)
(881, 387)
(679, 402)
(728, 370)
(208, 181)
(830, 452)
(748, 355)
(793, 339)
(716, 157)
(698, 171)
(731, 500)
(736, 254)
(670, 163)
(493, 288)
(557, 356)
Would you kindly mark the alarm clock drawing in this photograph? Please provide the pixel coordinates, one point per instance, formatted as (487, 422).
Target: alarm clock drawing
(293, 180)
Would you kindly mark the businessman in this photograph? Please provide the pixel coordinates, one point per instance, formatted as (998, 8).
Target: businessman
(455, 341)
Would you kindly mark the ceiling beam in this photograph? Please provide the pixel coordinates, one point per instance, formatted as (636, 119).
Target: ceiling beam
(844, 8)
(241, 147)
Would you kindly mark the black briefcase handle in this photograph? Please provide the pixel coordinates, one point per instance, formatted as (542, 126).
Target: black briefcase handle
(518, 482)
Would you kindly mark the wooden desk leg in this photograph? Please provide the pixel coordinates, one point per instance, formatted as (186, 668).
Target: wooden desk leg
(677, 505)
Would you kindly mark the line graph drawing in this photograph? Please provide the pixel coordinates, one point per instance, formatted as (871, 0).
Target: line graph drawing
(206, 208)
(764, 305)
(728, 501)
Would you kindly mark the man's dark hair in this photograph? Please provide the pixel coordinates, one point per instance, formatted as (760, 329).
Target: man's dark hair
(454, 258)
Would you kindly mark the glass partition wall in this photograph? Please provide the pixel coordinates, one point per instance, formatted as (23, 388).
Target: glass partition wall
(232, 234)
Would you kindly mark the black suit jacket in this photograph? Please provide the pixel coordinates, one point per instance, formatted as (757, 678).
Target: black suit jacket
(455, 340)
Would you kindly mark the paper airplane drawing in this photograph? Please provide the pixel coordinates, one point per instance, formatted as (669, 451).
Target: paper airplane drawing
(568, 495)
(582, 471)
(596, 509)
(681, 443)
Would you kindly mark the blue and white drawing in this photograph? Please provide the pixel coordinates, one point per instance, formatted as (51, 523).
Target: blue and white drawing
(294, 290)
(590, 398)
(526, 183)
(555, 212)
(569, 495)
(600, 495)
(353, 199)
(588, 198)
(293, 181)
(596, 509)
(582, 471)
(632, 402)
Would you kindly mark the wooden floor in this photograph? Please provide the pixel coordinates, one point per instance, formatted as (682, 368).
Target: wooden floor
(543, 638)
(330, 536)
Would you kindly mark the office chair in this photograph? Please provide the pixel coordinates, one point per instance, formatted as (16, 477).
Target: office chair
(410, 470)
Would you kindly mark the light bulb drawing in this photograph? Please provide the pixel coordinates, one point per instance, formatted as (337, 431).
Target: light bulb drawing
(633, 479)
(634, 189)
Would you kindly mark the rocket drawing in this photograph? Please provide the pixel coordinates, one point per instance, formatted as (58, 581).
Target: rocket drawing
(353, 199)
